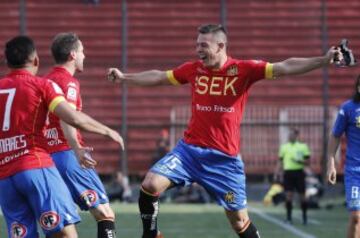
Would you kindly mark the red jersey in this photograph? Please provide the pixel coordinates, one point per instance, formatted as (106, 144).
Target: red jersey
(71, 88)
(218, 100)
(24, 103)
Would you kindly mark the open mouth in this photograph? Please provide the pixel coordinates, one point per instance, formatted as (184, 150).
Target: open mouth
(202, 57)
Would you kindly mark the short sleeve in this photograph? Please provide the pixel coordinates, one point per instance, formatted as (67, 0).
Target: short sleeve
(181, 74)
(72, 94)
(258, 69)
(340, 122)
(52, 94)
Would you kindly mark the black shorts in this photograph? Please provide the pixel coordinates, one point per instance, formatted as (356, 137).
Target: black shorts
(294, 179)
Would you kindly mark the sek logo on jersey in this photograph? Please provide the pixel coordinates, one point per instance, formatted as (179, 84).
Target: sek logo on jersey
(89, 197)
(49, 220)
(216, 85)
(18, 230)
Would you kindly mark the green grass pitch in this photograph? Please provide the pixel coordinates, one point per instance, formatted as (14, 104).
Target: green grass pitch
(208, 221)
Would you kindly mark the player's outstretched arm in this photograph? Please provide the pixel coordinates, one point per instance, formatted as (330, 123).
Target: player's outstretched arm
(331, 169)
(84, 122)
(294, 66)
(145, 78)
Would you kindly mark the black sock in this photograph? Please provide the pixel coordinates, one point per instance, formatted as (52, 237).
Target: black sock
(250, 232)
(106, 229)
(304, 210)
(149, 208)
(288, 210)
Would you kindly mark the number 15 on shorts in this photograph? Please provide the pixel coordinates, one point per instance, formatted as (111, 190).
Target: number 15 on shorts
(171, 162)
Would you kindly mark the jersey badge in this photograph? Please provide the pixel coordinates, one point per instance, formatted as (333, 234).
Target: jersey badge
(49, 220)
(230, 197)
(232, 70)
(71, 94)
(18, 230)
(89, 197)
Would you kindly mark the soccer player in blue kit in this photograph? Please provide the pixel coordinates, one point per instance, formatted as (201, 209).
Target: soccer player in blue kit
(348, 122)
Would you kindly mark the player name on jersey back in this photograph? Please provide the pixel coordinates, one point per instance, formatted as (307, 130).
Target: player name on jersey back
(12, 143)
(8, 145)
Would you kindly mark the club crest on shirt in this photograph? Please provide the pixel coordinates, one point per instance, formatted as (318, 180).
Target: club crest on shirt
(89, 197)
(49, 220)
(232, 70)
(229, 197)
(18, 230)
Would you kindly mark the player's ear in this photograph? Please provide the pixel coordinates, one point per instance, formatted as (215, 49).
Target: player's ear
(72, 55)
(36, 61)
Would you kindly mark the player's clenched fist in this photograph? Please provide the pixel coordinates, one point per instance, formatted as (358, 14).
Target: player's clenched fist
(115, 75)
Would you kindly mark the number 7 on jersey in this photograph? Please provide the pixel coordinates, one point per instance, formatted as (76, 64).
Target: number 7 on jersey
(9, 101)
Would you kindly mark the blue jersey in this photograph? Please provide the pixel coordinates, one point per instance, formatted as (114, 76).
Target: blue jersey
(348, 121)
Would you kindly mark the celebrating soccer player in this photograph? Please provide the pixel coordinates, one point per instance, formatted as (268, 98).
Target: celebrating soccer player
(84, 184)
(208, 152)
(31, 188)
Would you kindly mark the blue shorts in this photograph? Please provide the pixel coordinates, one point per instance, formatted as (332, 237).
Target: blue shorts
(220, 174)
(85, 185)
(36, 195)
(352, 189)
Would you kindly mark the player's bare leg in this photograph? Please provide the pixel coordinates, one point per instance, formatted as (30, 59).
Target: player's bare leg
(152, 186)
(105, 218)
(289, 206)
(68, 231)
(241, 224)
(354, 225)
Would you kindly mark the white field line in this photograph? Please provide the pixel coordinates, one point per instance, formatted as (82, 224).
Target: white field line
(278, 222)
